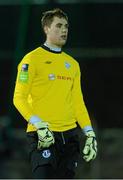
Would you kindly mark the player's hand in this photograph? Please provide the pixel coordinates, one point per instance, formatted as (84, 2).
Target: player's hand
(45, 138)
(90, 148)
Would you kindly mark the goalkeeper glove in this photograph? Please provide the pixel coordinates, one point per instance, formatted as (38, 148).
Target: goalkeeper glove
(90, 148)
(45, 136)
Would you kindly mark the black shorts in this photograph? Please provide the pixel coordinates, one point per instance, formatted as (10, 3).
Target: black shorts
(62, 157)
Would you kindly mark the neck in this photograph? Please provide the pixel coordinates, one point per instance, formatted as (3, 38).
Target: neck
(52, 46)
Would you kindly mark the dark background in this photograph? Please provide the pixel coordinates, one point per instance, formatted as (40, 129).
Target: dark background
(96, 42)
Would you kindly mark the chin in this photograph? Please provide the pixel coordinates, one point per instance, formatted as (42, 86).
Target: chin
(62, 43)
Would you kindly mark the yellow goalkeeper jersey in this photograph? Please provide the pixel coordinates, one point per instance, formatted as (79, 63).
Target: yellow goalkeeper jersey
(48, 86)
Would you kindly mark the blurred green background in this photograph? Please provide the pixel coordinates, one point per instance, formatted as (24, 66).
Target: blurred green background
(96, 42)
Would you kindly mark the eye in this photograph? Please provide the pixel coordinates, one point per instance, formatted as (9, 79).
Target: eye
(58, 25)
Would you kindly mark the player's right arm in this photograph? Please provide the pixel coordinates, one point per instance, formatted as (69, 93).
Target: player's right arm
(25, 76)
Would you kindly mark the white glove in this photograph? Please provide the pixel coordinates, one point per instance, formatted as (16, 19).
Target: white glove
(45, 136)
(90, 148)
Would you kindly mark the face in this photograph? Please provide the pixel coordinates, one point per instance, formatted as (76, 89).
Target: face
(57, 32)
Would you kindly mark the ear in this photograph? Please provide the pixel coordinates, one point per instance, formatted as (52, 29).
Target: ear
(46, 29)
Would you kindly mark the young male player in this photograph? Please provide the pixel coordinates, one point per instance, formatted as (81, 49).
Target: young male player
(48, 95)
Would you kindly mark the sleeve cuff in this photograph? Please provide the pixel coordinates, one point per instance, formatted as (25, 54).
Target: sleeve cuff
(87, 128)
(34, 119)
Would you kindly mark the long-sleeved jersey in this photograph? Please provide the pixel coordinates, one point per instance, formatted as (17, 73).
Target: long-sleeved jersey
(48, 86)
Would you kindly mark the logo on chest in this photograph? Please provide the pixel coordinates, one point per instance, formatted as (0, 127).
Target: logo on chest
(59, 77)
(64, 77)
(48, 62)
(51, 76)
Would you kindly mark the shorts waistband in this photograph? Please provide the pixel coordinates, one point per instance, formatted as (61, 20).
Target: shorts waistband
(68, 132)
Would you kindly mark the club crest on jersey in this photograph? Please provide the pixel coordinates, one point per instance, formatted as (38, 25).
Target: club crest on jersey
(46, 153)
(67, 65)
(51, 76)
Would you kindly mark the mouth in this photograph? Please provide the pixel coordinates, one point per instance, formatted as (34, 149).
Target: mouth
(64, 37)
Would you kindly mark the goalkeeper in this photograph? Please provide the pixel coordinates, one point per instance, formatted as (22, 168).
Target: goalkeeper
(49, 97)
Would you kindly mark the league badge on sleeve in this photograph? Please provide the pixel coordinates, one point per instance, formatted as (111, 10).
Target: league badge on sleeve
(24, 67)
(23, 76)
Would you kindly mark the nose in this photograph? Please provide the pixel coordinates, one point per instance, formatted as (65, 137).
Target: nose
(64, 30)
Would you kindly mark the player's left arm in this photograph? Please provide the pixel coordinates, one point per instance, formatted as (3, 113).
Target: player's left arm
(82, 116)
